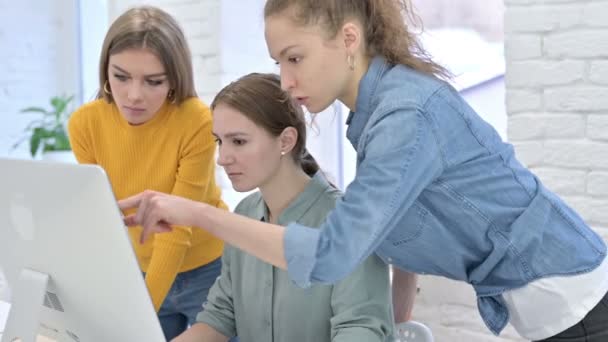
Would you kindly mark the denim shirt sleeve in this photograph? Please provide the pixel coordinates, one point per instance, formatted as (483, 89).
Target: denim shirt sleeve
(399, 157)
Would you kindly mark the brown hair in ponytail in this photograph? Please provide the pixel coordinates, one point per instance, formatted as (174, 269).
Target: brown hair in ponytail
(384, 26)
(260, 98)
(308, 163)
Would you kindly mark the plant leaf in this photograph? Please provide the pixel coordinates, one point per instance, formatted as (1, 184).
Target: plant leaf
(56, 101)
(34, 143)
(68, 99)
(33, 123)
(60, 107)
(48, 131)
(60, 102)
(34, 110)
(62, 142)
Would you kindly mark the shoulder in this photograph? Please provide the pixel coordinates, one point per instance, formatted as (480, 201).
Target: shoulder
(92, 109)
(403, 87)
(327, 199)
(323, 203)
(90, 112)
(408, 99)
(194, 111)
(193, 105)
(192, 118)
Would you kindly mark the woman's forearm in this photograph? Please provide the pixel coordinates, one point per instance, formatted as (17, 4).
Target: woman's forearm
(404, 294)
(200, 332)
(264, 240)
(158, 212)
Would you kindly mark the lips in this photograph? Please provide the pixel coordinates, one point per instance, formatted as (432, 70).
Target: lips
(301, 100)
(134, 110)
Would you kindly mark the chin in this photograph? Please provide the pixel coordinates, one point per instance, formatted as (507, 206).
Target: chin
(316, 109)
(136, 120)
(242, 188)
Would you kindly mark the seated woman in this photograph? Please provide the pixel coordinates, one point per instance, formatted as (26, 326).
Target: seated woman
(261, 134)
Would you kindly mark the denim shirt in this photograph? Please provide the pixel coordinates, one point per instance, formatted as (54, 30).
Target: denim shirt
(438, 192)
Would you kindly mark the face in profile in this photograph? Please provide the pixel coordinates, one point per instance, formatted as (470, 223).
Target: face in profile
(314, 70)
(249, 154)
(139, 84)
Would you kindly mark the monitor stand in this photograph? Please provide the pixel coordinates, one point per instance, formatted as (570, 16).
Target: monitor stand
(26, 305)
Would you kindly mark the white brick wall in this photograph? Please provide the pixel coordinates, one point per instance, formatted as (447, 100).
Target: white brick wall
(200, 21)
(38, 59)
(557, 97)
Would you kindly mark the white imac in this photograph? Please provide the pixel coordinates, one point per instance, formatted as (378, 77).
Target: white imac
(67, 257)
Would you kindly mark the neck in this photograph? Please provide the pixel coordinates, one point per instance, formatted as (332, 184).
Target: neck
(289, 181)
(349, 97)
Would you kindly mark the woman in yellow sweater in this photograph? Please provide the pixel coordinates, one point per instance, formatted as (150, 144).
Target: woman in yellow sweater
(148, 130)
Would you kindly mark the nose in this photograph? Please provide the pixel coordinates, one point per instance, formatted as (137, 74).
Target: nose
(135, 92)
(288, 82)
(224, 157)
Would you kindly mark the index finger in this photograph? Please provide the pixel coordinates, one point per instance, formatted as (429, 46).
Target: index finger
(130, 202)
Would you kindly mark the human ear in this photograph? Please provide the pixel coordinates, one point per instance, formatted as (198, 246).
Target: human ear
(288, 139)
(352, 36)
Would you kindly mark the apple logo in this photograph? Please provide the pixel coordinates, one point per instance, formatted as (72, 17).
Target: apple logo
(21, 218)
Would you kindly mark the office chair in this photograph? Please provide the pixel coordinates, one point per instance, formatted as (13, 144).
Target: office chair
(412, 331)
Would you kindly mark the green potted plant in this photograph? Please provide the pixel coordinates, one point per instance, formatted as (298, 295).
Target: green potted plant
(47, 132)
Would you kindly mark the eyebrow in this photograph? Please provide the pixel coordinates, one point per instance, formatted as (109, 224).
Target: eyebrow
(231, 134)
(126, 72)
(284, 51)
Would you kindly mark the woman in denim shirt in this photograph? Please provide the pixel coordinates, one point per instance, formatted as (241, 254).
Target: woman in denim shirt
(436, 190)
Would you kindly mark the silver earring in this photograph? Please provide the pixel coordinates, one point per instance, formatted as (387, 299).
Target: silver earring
(282, 153)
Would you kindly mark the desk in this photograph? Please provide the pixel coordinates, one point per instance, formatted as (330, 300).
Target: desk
(4, 308)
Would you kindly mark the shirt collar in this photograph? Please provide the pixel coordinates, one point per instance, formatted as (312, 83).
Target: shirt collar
(317, 185)
(356, 121)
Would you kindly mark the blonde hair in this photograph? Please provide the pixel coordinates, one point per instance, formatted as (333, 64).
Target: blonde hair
(153, 29)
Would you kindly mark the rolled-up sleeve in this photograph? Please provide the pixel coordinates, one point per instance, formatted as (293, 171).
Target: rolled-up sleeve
(400, 157)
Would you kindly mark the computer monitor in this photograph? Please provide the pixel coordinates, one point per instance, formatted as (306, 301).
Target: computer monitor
(67, 257)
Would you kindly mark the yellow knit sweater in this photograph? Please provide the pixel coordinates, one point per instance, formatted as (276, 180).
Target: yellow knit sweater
(171, 153)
